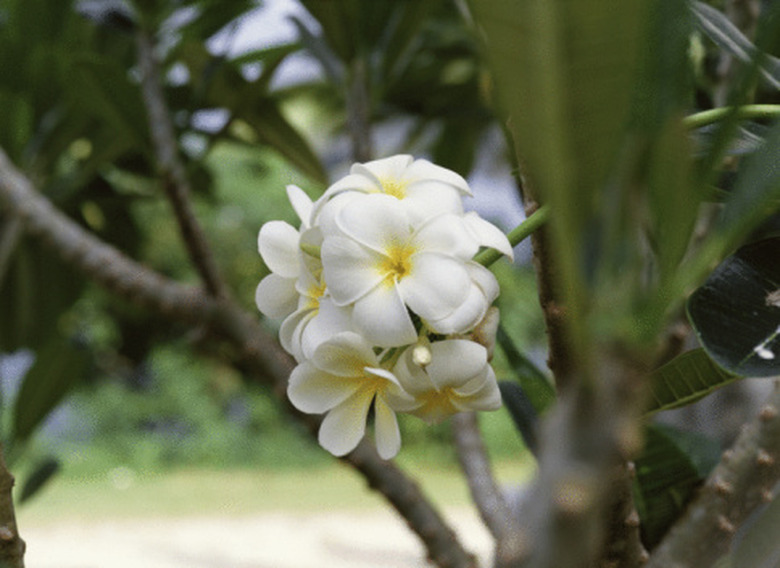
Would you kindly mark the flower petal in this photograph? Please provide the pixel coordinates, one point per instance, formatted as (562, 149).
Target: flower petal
(448, 235)
(488, 397)
(345, 355)
(465, 317)
(425, 170)
(427, 199)
(393, 168)
(345, 425)
(382, 318)
(436, 285)
(291, 330)
(482, 292)
(487, 234)
(301, 204)
(350, 270)
(377, 221)
(388, 436)
(325, 324)
(455, 361)
(278, 245)
(276, 297)
(314, 391)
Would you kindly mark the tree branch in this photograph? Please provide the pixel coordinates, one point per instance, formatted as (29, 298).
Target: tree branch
(11, 544)
(171, 169)
(485, 492)
(260, 353)
(742, 482)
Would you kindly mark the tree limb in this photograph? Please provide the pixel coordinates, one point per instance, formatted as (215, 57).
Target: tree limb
(171, 169)
(741, 483)
(11, 544)
(261, 353)
(485, 493)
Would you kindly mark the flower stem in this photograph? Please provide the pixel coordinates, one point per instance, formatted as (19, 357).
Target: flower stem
(746, 112)
(516, 235)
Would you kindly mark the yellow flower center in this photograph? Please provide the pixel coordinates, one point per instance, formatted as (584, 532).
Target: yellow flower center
(436, 405)
(394, 187)
(313, 295)
(396, 264)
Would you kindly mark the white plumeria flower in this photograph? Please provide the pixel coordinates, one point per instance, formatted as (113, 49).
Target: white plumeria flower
(279, 244)
(343, 378)
(456, 378)
(425, 189)
(276, 296)
(384, 263)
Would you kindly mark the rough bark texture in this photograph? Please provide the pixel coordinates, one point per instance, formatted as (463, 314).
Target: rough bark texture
(11, 544)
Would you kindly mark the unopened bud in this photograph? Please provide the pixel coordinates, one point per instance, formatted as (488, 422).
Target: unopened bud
(421, 354)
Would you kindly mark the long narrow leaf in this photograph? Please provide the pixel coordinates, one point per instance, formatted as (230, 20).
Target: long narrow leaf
(729, 38)
(535, 385)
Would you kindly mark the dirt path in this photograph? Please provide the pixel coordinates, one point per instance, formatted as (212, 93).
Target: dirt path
(340, 539)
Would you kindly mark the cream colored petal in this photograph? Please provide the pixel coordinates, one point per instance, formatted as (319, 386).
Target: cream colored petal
(487, 234)
(455, 361)
(301, 204)
(393, 168)
(446, 234)
(376, 221)
(422, 170)
(386, 431)
(436, 285)
(345, 355)
(277, 243)
(344, 426)
(276, 296)
(313, 391)
(382, 318)
(350, 270)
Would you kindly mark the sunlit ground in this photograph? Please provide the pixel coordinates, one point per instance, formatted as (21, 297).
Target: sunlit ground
(315, 517)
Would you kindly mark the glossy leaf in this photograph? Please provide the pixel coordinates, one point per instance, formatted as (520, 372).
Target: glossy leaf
(536, 387)
(736, 313)
(58, 367)
(684, 380)
(668, 471)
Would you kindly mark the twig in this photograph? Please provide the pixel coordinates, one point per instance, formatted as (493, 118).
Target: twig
(740, 484)
(11, 544)
(485, 492)
(177, 185)
(260, 352)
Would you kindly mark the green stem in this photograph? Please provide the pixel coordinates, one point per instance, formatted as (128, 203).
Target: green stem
(516, 235)
(747, 112)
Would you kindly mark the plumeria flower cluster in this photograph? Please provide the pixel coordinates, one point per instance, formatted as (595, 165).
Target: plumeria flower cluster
(382, 301)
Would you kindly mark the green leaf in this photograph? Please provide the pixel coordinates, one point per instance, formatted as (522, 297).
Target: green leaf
(671, 466)
(535, 385)
(42, 474)
(102, 88)
(736, 313)
(522, 412)
(686, 379)
(564, 73)
(730, 39)
(29, 303)
(272, 128)
(755, 195)
(58, 367)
